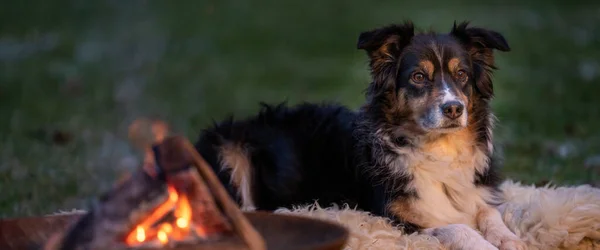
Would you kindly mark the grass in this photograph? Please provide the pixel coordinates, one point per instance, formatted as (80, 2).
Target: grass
(74, 75)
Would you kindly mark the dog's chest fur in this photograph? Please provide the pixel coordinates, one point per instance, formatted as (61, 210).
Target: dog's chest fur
(443, 172)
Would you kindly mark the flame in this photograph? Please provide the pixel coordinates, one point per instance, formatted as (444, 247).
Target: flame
(162, 237)
(177, 229)
(173, 196)
(167, 228)
(140, 234)
(183, 213)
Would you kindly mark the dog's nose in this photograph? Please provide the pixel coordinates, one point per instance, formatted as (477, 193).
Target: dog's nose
(452, 109)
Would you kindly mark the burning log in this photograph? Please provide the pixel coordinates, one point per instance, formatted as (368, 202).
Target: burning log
(173, 200)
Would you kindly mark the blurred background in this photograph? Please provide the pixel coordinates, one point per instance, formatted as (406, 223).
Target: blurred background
(74, 74)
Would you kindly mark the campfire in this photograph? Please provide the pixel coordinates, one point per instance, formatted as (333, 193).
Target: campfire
(173, 200)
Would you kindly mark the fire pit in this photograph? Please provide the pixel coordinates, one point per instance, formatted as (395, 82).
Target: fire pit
(278, 231)
(174, 201)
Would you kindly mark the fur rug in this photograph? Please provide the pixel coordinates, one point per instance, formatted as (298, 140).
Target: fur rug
(545, 218)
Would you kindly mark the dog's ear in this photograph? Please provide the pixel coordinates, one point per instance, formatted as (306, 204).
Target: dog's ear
(481, 43)
(396, 35)
(478, 39)
(384, 45)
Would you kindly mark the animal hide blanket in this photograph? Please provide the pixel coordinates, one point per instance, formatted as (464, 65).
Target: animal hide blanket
(544, 217)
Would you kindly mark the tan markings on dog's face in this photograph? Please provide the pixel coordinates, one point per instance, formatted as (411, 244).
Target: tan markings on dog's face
(434, 83)
(428, 68)
(453, 65)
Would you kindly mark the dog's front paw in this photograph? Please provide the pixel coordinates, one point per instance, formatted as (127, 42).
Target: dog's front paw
(506, 241)
(512, 244)
(459, 237)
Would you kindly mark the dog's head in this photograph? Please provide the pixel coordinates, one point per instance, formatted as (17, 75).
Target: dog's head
(430, 82)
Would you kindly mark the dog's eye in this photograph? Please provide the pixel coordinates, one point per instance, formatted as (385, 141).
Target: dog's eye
(418, 77)
(461, 75)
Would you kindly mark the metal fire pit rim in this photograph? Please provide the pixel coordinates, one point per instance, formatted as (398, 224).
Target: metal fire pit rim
(334, 235)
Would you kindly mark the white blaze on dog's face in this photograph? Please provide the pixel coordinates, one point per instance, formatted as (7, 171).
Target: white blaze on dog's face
(433, 83)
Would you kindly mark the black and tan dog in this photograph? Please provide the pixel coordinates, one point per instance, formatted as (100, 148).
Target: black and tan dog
(419, 151)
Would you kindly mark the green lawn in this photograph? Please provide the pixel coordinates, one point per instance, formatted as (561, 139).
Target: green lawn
(74, 74)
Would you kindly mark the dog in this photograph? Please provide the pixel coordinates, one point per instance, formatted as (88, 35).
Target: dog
(419, 151)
